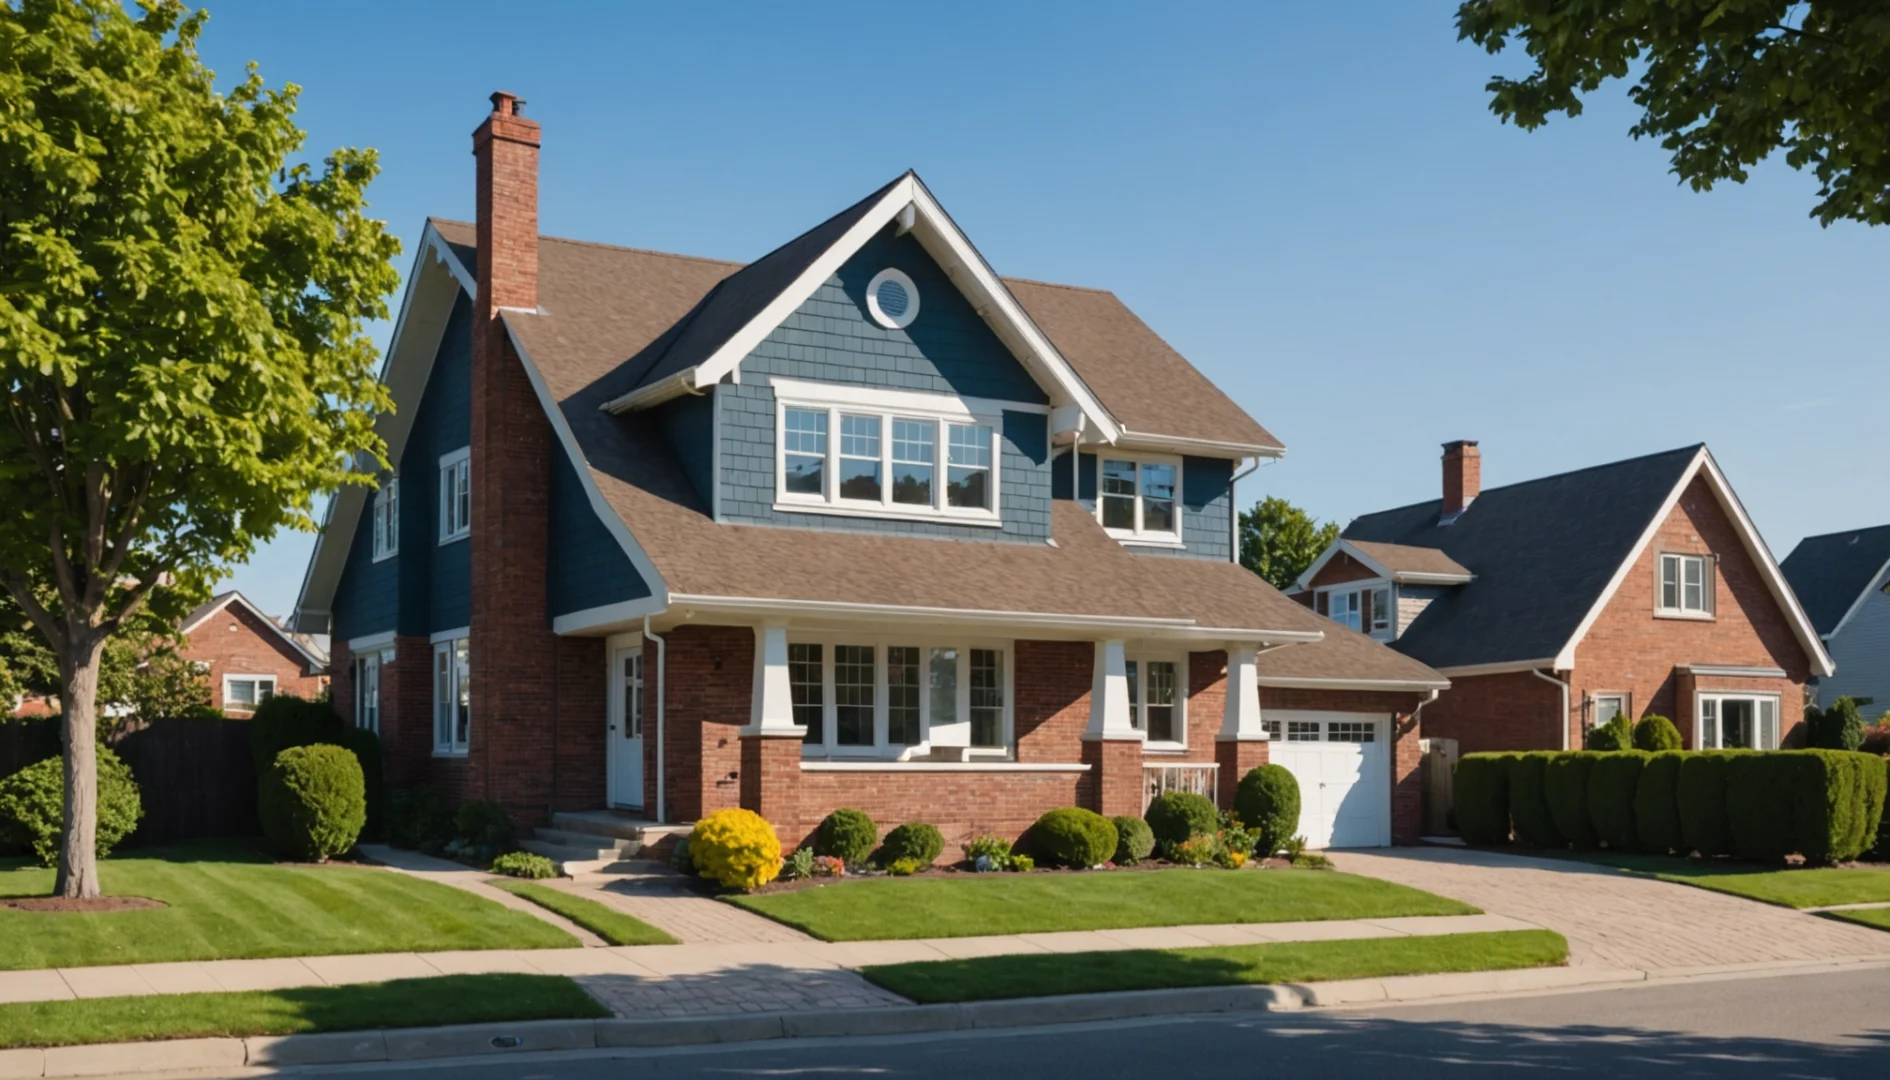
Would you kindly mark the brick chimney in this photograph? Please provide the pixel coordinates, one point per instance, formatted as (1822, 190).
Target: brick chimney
(1463, 477)
(506, 148)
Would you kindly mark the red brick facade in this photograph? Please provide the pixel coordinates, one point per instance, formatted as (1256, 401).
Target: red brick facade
(234, 641)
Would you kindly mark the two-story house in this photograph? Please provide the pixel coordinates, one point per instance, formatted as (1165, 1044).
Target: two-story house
(1554, 605)
(1841, 579)
(857, 524)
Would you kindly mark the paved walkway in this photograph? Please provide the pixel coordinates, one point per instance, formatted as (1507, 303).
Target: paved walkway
(1613, 919)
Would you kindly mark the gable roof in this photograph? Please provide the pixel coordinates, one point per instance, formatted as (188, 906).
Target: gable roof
(1549, 553)
(1401, 563)
(1833, 573)
(304, 647)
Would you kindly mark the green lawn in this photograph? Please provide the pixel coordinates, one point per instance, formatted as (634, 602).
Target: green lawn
(1042, 975)
(1876, 918)
(600, 919)
(226, 902)
(1794, 887)
(966, 905)
(450, 999)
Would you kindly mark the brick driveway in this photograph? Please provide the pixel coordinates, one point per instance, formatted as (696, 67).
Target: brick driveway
(1613, 919)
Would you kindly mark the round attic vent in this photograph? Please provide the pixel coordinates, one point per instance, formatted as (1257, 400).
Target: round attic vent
(892, 299)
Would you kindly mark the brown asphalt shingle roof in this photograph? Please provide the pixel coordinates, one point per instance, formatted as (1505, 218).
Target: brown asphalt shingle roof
(1405, 559)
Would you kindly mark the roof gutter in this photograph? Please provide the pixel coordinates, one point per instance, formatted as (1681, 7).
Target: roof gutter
(1419, 577)
(1130, 440)
(644, 397)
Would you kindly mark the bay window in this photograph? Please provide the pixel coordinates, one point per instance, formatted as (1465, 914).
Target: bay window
(452, 697)
(899, 697)
(1136, 498)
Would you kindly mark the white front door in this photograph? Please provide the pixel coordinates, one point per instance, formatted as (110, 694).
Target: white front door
(1342, 763)
(626, 728)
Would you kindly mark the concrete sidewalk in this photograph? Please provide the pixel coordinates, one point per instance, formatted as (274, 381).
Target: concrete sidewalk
(683, 980)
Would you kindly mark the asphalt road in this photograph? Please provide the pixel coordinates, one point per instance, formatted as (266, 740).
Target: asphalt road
(1829, 1025)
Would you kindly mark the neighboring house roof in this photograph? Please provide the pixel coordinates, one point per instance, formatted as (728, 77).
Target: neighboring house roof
(1548, 554)
(1833, 573)
(1401, 563)
(306, 645)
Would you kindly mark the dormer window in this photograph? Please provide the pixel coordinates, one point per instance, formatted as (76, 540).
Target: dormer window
(1136, 498)
(1366, 608)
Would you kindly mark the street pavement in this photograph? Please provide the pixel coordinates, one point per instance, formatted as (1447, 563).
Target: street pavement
(1822, 1025)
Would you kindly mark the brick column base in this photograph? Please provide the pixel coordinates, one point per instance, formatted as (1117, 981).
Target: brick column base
(771, 781)
(1115, 776)
(1237, 757)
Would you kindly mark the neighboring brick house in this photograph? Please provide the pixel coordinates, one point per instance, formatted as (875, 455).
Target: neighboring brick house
(1552, 605)
(669, 535)
(1841, 578)
(246, 658)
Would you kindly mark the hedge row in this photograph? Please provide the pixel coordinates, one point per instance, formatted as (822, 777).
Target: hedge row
(1826, 805)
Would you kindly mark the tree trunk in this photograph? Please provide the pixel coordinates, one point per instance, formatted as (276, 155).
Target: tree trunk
(78, 680)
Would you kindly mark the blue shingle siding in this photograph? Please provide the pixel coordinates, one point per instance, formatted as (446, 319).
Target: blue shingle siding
(1206, 502)
(1861, 650)
(947, 350)
(689, 424)
(587, 568)
(367, 601)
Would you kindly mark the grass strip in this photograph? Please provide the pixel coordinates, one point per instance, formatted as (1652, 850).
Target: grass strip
(1793, 887)
(1043, 975)
(600, 919)
(964, 905)
(449, 999)
(1875, 918)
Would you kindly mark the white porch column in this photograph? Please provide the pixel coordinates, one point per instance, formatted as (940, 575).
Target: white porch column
(772, 712)
(1240, 719)
(1109, 695)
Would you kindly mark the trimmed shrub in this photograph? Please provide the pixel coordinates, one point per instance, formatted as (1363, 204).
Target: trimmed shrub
(1267, 801)
(1481, 792)
(313, 802)
(905, 867)
(1073, 836)
(914, 842)
(848, 835)
(1701, 791)
(1839, 727)
(33, 806)
(418, 819)
(679, 858)
(1616, 734)
(737, 848)
(367, 750)
(1822, 804)
(1657, 803)
(1175, 816)
(286, 721)
(1655, 733)
(1565, 784)
(1134, 840)
(1529, 802)
(524, 864)
(1611, 788)
(988, 846)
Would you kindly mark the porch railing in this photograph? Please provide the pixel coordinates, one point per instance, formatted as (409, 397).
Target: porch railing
(1194, 777)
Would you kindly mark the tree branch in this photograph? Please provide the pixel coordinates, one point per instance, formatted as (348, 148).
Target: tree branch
(22, 592)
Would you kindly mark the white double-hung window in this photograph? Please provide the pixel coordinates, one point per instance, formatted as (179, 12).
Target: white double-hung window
(242, 693)
(1685, 588)
(1157, 701)
(887, 453)
(1737, 721)
(456, 495)
(452, 695)
(387, 519)
(367, 688)
(1137, 498)
(899, 698)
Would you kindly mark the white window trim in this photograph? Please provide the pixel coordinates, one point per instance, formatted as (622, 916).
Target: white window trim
(453, 461)
(386, 521)
(1140, 536)
(1366, 585)
(941, 409)
(828, 749)
(258, 680)
(1622, 696)
(892, 322)
(1709, 585)
(1701, 697)
(447, 643)
(1139, 707)
(376, 663)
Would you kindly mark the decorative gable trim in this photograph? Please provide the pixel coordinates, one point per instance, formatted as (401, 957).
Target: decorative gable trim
(909, 203)
(1704, 465)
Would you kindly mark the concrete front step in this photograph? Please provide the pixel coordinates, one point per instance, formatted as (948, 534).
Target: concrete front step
(570, 838)
(605, 823)
(572, 861)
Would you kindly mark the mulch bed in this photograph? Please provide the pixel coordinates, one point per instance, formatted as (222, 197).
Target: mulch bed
(61, 904)
(779, 885)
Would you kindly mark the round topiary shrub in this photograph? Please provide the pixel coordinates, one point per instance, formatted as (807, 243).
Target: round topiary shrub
(736, 848)
(1267, 802)
(1177, 815)
(33, 806)
(1655, 733)
(1134, 840)
(848, 835)
(914, 842)
(284, 721)
(1073, 836)
(313, 802)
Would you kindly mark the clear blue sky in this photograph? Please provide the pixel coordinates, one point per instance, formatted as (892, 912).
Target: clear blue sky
(1311, 202)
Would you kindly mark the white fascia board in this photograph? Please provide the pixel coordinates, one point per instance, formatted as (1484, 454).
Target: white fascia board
(1142, 440)
(186, 629)
(1873, 585)
(371, 642)
(1424, 577)
(1736, 671)
(1285, 683)
(659, 589)
(449, 635)
(1504, 668)
(609, 617)
(919, 401)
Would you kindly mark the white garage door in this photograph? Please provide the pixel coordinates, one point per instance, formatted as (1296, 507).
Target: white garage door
(1343, 764)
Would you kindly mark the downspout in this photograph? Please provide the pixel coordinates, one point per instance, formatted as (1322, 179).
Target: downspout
(1233, 509)
(661, 656)
(1563, 686)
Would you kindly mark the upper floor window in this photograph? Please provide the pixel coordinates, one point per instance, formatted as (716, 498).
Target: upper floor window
(915, 455)
(1686, 585)
(1367, 609)
(387, 519)
(1136, 498)
(456, 495)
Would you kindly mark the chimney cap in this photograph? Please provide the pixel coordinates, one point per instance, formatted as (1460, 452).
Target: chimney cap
(506, 103)
(1459, 445)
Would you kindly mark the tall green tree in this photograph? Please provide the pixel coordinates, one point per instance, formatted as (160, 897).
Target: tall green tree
(1279, 541)
(183, 345)
(1721, 83)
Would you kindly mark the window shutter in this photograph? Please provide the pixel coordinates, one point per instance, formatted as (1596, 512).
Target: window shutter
(1709, 583)
(1322, 603)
